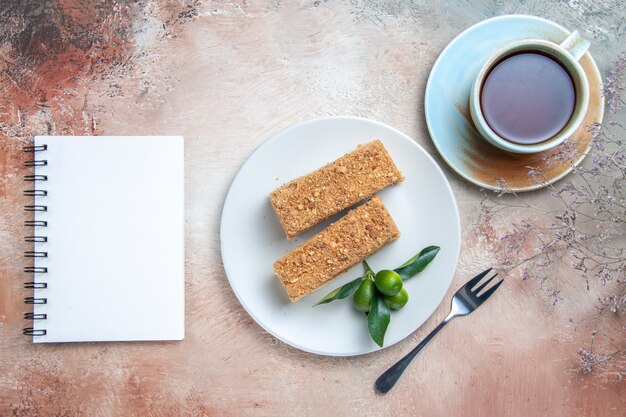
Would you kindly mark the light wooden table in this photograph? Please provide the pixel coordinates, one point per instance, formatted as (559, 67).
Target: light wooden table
(227, 75)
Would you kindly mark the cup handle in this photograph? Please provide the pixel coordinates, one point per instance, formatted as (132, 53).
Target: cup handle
(575, 45)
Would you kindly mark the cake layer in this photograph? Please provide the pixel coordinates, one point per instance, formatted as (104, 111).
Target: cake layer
(311, 199)
(341, 245)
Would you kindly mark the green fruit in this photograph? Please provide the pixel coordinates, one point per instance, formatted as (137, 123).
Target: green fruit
(388, 282)
(363, 296)
(396, 302)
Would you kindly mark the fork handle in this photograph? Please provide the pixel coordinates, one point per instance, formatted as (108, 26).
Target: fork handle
(386, 381)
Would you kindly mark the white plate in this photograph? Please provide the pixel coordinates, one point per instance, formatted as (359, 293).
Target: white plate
(422, 206)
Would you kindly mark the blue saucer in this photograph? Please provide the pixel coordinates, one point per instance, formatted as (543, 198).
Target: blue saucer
(447, 106)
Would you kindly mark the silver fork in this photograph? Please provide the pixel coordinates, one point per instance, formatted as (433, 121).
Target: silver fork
(464, 302)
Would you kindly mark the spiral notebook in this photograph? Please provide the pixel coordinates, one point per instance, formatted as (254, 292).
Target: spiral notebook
(107, 228)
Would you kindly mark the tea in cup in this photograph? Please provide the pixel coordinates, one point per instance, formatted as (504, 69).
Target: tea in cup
(531, 95)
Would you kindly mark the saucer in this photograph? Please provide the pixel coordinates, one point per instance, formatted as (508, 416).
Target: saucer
(448, 116)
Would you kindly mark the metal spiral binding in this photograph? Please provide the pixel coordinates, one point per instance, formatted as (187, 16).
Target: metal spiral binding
(36, 285)
(35, 238)
(35, 148)
(29, 331)
(33, 316)
(35, 254)
(35, 269)
(35, 300)
(33, 163)
(36, 193)
(33, 178)
(36, 223)
(36, 207)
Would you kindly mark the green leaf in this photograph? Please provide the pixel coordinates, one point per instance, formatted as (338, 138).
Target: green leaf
(378, 319)
(341, 292)
(417, 263)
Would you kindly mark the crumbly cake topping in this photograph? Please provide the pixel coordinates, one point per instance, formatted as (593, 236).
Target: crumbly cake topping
(308, 200)
(341, 245)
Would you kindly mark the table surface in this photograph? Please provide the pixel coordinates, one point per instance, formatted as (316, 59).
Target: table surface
(227, 75)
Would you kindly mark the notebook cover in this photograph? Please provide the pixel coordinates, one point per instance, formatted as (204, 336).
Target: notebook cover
(115, 249)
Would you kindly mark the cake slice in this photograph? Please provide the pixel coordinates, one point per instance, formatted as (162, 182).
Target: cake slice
(341, 245)
(311, 199)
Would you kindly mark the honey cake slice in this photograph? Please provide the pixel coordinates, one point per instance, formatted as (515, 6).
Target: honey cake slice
(348, 241)
(311, 199)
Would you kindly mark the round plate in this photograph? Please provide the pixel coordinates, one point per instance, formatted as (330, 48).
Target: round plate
(422, 206)
(450, 124)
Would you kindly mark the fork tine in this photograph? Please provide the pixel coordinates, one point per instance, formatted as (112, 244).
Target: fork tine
(491, 290)
(472, 282)
(484, 284)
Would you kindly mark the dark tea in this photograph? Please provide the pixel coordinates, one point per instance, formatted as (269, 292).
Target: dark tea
(527, 98)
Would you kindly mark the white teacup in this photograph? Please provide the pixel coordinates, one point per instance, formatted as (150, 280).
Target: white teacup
(567, 55)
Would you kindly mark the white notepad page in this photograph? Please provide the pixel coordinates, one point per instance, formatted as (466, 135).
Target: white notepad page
(115, 213)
